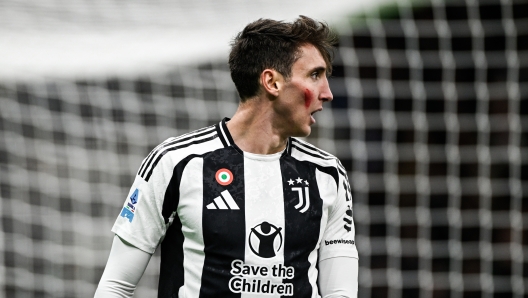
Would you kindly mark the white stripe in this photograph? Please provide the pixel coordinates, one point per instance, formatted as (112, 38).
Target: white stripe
(312, 276)
(223, 133)
(328, 195)
(191, 202)
(229, 200)
(339, 165)
(211, 206)
(220, 203)
(264, 201)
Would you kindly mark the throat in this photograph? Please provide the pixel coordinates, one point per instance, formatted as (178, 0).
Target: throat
(257, 137)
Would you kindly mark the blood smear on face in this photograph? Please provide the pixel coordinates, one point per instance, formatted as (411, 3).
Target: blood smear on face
(307, 98)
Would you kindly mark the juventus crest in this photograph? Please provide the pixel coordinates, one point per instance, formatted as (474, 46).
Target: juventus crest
(301, 187)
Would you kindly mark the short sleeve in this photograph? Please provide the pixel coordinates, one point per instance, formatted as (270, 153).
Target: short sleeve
(339, 235)
(140, 221)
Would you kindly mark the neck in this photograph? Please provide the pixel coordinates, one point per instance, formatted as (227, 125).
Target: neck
(253, 129)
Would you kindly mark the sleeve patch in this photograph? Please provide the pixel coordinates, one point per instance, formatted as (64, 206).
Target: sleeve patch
(130, 209)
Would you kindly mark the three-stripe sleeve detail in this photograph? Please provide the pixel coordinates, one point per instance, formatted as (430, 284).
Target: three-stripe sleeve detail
(311, 152)
(149, 164)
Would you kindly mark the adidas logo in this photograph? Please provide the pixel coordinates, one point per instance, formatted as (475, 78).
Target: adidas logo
(224, 202)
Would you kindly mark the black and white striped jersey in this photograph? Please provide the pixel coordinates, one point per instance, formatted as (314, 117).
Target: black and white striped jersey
(237, 224)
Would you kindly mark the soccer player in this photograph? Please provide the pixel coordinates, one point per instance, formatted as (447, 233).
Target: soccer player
(243, 208)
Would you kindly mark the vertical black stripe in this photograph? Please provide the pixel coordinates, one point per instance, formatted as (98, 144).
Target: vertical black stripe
(224, 231)
(288, 147)
(301, 229)
(171, 265)
(171, 276)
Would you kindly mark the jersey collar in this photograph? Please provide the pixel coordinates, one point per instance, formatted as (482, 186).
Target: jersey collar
(224, 134)
(227, 139)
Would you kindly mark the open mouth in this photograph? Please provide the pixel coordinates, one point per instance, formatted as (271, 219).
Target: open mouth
(312, 115)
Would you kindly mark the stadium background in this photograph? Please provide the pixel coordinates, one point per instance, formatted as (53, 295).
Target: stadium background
(428, 117)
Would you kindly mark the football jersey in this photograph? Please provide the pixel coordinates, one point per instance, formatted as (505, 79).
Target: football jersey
(236, 224)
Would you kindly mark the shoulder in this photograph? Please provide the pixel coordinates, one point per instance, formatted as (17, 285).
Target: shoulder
(197, 138)
(175, 149)
(306, 151)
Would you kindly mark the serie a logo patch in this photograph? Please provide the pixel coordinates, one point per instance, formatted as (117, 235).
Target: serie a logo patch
(130, 209)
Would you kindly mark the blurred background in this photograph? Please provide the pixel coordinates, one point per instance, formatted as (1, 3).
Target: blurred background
(429, 119)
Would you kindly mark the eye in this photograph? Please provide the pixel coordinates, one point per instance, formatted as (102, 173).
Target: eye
(314, 75)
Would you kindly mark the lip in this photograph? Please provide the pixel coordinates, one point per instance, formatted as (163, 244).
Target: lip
(312, 119)
(318, 110)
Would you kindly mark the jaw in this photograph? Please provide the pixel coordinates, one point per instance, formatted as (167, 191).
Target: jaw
(303, 130)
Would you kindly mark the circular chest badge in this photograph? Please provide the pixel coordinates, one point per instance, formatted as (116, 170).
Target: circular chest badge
(224, 177)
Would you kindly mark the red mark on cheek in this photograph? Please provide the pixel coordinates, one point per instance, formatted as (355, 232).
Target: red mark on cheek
(307, 98)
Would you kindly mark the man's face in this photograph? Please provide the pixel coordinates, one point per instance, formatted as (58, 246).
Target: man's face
(303, 93)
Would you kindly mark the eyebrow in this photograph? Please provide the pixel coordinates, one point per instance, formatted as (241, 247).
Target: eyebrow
(318, 69)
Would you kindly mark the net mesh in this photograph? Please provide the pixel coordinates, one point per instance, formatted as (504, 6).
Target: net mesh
(428, 117)
(436, 142)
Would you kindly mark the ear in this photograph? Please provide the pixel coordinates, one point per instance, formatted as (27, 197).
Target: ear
(271, 81)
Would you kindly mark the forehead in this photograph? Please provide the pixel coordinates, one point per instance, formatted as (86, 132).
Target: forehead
(309, 58)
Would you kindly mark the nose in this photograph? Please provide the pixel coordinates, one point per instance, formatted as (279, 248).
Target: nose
(326, 93)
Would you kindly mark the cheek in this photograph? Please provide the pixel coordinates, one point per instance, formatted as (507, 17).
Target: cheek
(308, 97)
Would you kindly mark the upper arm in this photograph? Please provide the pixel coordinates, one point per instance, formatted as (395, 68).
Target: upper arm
(143, 220)
(339, 235)
(140, 221)
(338, 277)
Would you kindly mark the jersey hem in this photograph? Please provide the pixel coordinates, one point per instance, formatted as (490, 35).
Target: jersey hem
(133, 240)
(337, 254)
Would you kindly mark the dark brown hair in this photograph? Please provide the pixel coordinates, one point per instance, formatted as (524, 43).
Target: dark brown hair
(274, 44)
